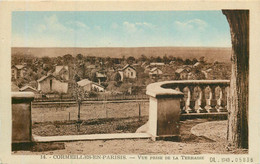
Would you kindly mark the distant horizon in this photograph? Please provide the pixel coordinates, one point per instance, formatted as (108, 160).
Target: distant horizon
(210, 53)
(131, 47)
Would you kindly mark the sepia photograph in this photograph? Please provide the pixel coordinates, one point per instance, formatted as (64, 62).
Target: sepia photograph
(152, 85)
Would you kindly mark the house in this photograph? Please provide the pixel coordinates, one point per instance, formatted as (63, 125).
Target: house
(182, 73)
(62, 72)
(205, 74)
(86, 84)
(92, 66)
(172, 62)
(90, 85)
(50, 84)
(144, 64)
(18, 71)
(97, 87)
(14, 87)
(136, 65)
(101, 77)
(155, 72)
(28, 88)
(191, 76)
(209, 70)
(197, 64)
(187, 67)
(127, 72)
(157, 64)
(111, 69)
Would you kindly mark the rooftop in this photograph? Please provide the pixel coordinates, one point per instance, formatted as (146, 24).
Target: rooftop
(84, 82)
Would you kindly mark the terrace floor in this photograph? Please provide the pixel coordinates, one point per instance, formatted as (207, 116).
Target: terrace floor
(198, 136)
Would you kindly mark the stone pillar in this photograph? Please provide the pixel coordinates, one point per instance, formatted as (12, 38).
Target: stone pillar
(164, 113)
(21, 117)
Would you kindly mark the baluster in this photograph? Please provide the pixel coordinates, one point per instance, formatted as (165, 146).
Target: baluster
(225, 98)
(198, 100)
(182, 105)
(192, 100)
(213, 103)
(203, 99)
(187, 99)
(219, 98)
(183, 101)
(208, 97)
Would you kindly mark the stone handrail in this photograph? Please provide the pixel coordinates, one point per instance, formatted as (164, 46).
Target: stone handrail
(157, 90)
(201, 96)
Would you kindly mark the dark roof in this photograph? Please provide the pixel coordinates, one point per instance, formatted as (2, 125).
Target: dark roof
(128, 65)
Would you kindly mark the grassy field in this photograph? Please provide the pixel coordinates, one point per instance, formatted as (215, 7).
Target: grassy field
(89, 111)
(94, 126)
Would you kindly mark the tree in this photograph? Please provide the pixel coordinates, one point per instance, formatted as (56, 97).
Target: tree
(187, 62)
(166, 60)
(115, 61)
(93, 75)
(76, 77)
(158, 59)
(143, 58)
(67, 59)
(202, 59)
(130, 60)
(79, 57)
(108, 61)
(46, 60)
(238, 104)
(179, 59)
(79, 95)
(194, 60)
(117, 77)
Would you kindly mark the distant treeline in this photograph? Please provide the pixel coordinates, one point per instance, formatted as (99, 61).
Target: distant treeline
(210, 54)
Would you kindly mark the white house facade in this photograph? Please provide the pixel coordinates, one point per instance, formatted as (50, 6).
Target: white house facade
(127, 72)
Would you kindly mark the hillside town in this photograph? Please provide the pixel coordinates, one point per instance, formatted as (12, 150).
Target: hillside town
(50, 76)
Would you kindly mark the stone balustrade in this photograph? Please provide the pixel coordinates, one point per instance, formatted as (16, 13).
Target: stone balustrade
(170, 99)
(202, 96)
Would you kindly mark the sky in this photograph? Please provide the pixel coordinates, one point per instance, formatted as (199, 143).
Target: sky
(120, 29)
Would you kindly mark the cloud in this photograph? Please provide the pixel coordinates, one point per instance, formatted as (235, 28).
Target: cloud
(129, 27)
(145, 25)
(191, 24)
(137, 27)
(79, 25)
(52, 24)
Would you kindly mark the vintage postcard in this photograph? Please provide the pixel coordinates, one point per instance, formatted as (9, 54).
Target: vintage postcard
(152, 82)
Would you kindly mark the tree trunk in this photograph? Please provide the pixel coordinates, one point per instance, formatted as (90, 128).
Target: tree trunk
(238, 101)
(79, 111)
